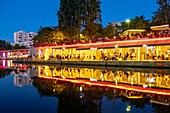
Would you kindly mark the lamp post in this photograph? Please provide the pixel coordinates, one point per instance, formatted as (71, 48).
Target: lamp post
(128, 21)
(114, 28)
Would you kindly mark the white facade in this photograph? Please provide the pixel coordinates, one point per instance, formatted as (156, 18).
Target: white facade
(23, 38)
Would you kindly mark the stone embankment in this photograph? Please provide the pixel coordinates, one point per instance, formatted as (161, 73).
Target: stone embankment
(136, 64)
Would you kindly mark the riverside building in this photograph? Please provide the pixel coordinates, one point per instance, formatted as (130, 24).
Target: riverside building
(143, 48)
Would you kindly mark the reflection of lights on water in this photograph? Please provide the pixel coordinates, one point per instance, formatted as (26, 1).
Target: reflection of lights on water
(53, 90)
(128, 108)
(3, 62)
(131, 81)
(144, 86)
(9, 63)
(116, 82)
(13, 72)
(102, 79)
(81, 88)
(150, 85)
(63, 77)
(101, 76)
(151, 79)
(92, 79)
(53, 74)
(46, 74)
(4, 55)
(125, 87)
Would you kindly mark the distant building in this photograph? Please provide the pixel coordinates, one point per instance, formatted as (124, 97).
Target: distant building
(23, 79)
(23, 38)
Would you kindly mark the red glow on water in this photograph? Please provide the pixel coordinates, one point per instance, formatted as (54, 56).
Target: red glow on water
(112, 85)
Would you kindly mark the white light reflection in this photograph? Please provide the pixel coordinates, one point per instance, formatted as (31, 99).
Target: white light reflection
(128, 108)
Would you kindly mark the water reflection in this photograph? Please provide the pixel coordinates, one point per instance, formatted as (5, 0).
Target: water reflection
(90, 98)
(90, 90)
(24, 74)
(21, 80)
(144, 79)
(4, 72)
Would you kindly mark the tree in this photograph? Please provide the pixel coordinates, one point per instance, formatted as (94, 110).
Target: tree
(138, 22)
(75, 16)
(69, 17)
(111, 30)
(162, 15)
(91, 17)
(5, 72)
(56, 36)
(4, 45)
(17, 46)
(45, 35)
(96, 31)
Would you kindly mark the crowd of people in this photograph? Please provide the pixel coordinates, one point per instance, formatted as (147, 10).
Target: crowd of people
(119, 37)
(104, 56)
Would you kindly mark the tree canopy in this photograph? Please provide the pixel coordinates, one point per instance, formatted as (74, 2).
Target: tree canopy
(75, 16)
(48, 35)
(162, 15)
(4, 45)
(138, 22)
(69, 17)
(17, 46)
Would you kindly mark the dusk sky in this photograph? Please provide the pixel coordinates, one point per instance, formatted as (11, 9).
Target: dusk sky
(29, 15)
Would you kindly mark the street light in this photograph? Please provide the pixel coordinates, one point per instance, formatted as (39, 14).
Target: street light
(128, 21)
(81, 35)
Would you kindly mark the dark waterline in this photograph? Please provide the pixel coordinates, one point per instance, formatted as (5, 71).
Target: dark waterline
(22, 93)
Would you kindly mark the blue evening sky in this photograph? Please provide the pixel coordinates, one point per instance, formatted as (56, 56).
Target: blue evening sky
(29, 15)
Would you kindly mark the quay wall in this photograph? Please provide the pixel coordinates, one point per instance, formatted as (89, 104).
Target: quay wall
(137, 64)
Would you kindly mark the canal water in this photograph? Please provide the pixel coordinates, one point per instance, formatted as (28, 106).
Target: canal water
(75, 89)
